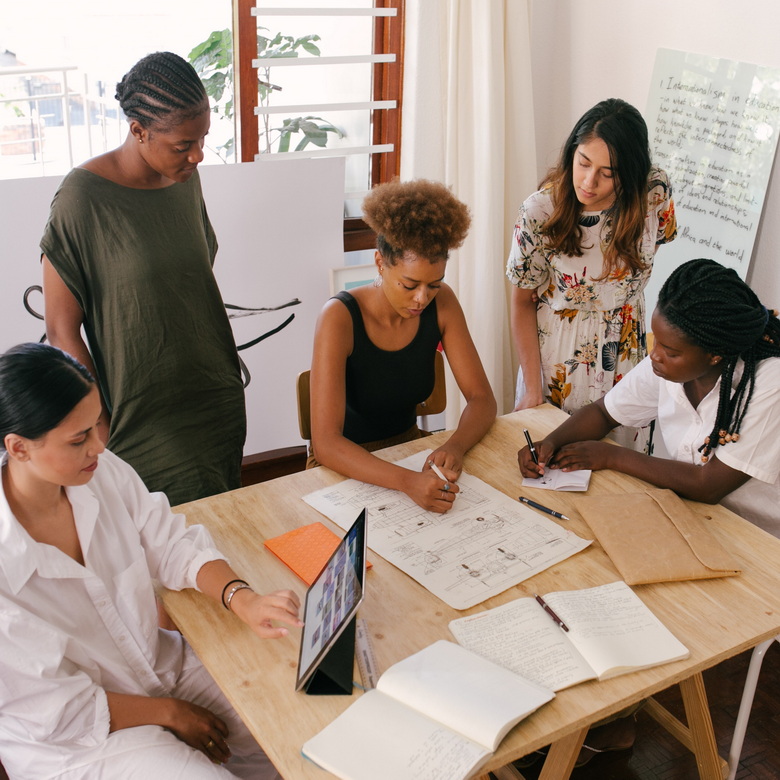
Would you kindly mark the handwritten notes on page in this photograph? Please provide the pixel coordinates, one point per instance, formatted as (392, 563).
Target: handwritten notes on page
(611, 632)
(713, 126)
(485, 544)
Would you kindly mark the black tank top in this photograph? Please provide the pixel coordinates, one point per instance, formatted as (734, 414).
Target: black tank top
(384, 387)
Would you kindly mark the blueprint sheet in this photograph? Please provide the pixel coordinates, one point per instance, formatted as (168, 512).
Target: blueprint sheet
(485, 544)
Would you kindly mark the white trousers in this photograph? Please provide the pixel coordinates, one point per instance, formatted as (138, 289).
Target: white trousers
(153, 753)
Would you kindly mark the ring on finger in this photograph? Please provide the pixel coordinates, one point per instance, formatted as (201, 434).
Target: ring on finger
(446, 487)
(210, 744)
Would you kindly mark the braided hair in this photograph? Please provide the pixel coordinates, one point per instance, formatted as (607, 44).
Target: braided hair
(161, 89)
(719, 313)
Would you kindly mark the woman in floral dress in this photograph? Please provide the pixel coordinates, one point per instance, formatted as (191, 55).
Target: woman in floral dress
(581, 256)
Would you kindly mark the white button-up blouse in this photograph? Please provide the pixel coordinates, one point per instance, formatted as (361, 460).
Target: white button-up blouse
(641, 396)
(68, 632)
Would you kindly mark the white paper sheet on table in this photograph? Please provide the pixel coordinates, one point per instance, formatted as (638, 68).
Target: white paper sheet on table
(555, 479)
(485, 544)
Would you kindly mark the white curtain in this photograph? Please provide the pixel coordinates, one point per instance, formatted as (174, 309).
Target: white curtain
(468, 121)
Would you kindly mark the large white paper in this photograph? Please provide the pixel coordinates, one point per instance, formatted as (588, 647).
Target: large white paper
(485, 544)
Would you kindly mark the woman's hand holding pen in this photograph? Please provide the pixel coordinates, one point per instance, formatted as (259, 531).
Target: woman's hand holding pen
(427, 490)
(533, 469)
(448, 459)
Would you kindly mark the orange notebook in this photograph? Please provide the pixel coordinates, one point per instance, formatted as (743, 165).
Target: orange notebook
(305, 550)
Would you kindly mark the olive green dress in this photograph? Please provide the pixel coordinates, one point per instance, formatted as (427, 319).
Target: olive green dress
(139, 263)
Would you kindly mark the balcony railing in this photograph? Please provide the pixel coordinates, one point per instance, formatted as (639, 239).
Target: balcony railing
(52, 118)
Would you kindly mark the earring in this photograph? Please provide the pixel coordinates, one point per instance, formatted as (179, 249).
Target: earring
(378, 280)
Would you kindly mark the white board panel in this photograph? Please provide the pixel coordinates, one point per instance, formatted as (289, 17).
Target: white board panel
(713, 126)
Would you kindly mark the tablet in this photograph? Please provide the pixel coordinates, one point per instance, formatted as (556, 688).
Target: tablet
(329, 609)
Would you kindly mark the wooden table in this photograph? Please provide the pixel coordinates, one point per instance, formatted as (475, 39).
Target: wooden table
(715, 619)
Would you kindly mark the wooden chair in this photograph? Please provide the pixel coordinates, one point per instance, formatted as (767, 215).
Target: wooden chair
(435, 403)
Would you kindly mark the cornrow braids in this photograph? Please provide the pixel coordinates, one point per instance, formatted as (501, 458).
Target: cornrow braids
(160, 87)
(718, 312)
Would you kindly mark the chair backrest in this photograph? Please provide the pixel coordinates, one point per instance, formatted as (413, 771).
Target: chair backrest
(302, 389)
(435, 403)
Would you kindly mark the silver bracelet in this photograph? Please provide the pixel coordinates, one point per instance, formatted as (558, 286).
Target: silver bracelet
(237, 587)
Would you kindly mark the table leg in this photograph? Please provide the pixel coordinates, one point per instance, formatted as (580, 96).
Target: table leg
(563, 753)
(702, 734)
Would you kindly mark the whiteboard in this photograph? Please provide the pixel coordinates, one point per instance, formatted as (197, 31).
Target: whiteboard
(713, 126)
(280, 230)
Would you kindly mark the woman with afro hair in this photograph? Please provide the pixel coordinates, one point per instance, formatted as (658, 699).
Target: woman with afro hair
(712, 380)
(374, 349)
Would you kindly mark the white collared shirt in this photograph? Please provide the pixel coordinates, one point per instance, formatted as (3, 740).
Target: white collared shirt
(68, 633)
(641, 396)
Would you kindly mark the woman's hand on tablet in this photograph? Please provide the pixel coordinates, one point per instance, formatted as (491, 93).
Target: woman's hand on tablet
(261, 612)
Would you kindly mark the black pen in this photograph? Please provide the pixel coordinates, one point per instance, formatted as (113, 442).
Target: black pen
(541, 508)
(531, 446)
(548, 609)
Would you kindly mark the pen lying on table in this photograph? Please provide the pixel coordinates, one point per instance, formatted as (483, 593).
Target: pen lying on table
(541, 507)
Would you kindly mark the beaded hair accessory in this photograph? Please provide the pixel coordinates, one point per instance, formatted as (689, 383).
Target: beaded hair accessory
(724, 437)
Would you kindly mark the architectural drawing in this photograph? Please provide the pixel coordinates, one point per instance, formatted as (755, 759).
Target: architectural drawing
(485, 544)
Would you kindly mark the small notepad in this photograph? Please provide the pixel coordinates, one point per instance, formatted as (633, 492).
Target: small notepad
(555, 479)
(305, 550)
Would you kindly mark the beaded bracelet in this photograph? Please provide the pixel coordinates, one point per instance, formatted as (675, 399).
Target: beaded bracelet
(224, 590)
(239, 586)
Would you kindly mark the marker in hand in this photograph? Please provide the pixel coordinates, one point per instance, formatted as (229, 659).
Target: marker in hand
(437, 471)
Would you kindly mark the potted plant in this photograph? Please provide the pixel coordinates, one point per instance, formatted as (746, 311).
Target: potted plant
(213, 61)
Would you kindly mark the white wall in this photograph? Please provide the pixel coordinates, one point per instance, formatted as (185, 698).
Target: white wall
(587, 50)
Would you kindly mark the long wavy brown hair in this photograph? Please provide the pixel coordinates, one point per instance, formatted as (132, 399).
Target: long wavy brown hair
(624, 131)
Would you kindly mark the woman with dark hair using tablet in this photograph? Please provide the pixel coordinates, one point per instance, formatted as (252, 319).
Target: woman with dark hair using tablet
(92, 688)
(374, 349)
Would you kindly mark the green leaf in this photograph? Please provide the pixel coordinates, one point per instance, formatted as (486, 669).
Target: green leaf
(311, 48)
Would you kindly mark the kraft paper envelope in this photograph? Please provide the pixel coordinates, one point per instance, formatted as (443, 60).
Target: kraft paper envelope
(655, 537)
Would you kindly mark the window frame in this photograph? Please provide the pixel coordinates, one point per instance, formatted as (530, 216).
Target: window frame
(387, 85)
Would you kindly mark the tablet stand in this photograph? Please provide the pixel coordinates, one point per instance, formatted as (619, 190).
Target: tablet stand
(333, 675)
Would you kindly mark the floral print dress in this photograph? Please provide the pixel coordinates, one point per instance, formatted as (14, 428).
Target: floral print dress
(591, 330)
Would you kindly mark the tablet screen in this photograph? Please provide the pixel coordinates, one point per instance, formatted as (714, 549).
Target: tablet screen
(333, 599)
